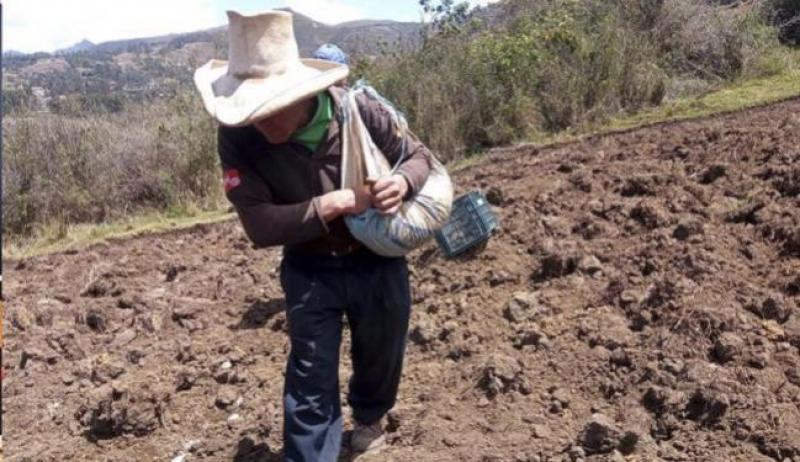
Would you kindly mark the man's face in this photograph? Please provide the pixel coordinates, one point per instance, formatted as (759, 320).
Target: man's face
(279, 127)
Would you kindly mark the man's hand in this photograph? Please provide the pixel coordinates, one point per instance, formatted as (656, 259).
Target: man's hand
(362, 200)
(388, 193)
(345, 202)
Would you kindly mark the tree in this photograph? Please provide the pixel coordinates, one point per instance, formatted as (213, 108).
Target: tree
(446, 16)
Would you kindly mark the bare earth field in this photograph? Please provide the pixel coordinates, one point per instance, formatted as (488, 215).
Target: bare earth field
(642, 302)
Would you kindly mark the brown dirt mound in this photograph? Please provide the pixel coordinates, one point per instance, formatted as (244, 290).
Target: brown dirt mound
(642, 300)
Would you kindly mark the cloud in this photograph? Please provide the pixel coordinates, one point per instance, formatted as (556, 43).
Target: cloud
(42, 25)
(481, 2)
(327, 11)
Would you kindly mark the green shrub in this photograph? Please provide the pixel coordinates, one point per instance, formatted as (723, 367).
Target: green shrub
(553, 65)
(786, 15)
(557, 65)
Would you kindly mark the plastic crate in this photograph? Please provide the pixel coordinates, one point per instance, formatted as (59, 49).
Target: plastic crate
(471, 223)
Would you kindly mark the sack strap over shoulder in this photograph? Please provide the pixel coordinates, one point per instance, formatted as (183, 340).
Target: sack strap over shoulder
(343, 114)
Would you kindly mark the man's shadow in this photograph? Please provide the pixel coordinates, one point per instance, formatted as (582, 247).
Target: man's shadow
(260, 312)
(249, 451)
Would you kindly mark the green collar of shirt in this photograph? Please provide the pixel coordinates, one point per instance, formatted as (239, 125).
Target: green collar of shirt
(312, 135)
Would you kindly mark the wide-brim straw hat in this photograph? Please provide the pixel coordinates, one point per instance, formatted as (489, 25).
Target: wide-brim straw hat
(264, 72)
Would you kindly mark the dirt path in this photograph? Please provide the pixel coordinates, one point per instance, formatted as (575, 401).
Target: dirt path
(643, 297)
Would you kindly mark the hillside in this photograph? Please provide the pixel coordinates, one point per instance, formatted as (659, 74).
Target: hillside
(642, 299)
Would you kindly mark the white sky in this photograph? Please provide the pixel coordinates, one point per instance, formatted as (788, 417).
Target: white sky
(47, 25)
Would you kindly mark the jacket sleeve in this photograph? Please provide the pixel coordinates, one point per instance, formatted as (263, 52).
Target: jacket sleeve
(416, 165)
(265, 222)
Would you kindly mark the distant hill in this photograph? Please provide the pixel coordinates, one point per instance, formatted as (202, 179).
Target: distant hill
(141, 68)
(12, 53)
(83, 45)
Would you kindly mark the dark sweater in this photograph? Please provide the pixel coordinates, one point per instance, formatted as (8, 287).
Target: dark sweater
(276, 189)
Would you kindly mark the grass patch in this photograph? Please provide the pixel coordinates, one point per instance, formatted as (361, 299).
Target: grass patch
(52, 240)
(739, 95)
(734, 97)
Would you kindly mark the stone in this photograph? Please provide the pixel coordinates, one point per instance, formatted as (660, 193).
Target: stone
(98, 288)
(124, 338)
(616, 456)
(495, 196)
(21, 318)
(96, 320)
(630, 297)
(590, 264)
(620, 358)
(707, 406)
(225, 397)
(576, 453)
(423, 332)
(727, 347)
(151, 323)
(601, 436)
(234, 420)
(192, 445)
(524, 306)
(775, 308)
(556, 407)
(686, 229)
(541, 431)
(562, 396)
(528, 337)
(500, 374)
(111, 411)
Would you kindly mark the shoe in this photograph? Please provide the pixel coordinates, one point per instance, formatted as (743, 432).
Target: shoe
(367, 438)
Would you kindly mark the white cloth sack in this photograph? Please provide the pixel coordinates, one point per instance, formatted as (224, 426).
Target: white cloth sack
(419, 217)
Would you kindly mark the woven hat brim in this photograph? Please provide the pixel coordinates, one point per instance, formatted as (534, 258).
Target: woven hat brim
(236, 102)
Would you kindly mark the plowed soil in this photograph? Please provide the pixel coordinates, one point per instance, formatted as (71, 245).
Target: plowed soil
(641, 302)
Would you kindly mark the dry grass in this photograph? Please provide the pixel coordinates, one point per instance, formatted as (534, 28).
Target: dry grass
(61, 170)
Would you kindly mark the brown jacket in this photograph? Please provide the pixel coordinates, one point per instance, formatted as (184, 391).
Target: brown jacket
(276, 189)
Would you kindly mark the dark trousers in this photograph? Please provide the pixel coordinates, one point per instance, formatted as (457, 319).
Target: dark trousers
(373, 293)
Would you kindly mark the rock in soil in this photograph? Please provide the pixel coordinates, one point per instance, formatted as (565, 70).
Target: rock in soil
(601, 436)
(524, 306)
(707, 406)
(114, 410)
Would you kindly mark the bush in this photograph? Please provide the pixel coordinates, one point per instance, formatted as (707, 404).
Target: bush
(553, 65)
(557, 65)
(76, 105)
(786, 15)
(17, 99)
(90, 168)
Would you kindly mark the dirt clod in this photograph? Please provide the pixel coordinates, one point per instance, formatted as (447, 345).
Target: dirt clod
(111, 411)
(524, 306)
(707, 406)
(601, 436)
(501, 374)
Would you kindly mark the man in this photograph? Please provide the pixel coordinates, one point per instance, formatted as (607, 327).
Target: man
(279, 144)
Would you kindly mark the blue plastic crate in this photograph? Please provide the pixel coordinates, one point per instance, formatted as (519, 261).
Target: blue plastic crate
(471, 223)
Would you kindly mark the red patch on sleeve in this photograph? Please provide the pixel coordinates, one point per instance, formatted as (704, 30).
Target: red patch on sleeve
(231, 179)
